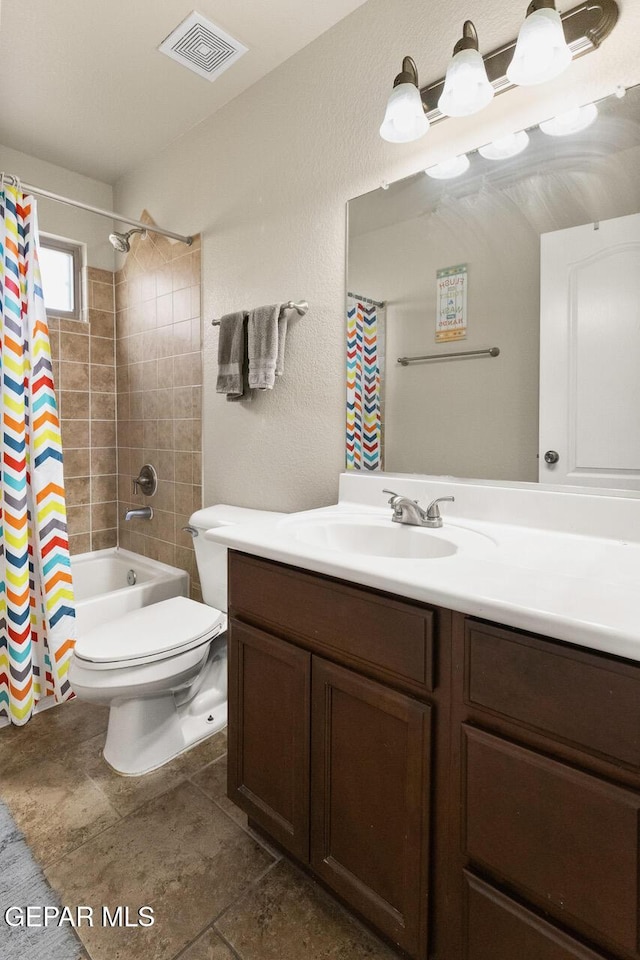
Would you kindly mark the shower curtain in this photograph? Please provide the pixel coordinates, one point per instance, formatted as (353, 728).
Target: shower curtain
(365, 369)
(37, 615)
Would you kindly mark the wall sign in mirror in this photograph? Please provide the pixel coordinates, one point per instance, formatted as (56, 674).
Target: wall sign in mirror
(550, 236)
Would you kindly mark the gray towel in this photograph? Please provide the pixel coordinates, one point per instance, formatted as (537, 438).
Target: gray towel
(231, 355)
(283, 321)
(262, 335)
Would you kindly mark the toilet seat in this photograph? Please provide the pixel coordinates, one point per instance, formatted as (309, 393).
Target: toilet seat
(156, 632)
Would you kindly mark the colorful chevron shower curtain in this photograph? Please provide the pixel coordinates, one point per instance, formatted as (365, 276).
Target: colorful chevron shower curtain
(37, 615)
(365, 370)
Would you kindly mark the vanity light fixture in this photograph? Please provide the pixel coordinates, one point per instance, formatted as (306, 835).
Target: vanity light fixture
(449, 169)
(404, 119)
(542, 51)
(573, 121)
(583, 29)
(505, 147)
(466, 88)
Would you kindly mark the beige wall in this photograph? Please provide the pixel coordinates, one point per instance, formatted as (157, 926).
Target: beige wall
(266, 181)
(60, 219)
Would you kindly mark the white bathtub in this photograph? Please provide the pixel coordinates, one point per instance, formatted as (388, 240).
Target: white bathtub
(103, 593)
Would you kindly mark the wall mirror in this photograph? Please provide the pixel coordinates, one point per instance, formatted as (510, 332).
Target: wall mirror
(536, 254)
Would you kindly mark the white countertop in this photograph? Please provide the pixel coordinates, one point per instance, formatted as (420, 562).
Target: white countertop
(564, 583)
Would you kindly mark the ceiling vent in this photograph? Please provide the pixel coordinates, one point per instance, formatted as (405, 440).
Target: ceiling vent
(202, 47)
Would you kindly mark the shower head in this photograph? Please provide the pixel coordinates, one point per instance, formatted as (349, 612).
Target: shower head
(120, 241)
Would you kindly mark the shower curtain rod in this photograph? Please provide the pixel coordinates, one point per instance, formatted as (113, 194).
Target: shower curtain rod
(152, 228)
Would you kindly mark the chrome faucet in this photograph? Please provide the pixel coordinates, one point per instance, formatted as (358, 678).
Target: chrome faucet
(410, 512)
(139, 513)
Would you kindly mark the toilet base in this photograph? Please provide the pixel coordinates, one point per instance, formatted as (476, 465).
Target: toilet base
(135, 762)
(145, 733)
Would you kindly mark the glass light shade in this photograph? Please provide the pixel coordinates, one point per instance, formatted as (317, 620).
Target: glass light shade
(541, 52)
(573, 121)
(505, 147)
(449, 169)
(405, 119)
(466, 88)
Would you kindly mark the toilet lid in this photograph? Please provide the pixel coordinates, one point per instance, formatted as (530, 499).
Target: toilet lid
(152, 632)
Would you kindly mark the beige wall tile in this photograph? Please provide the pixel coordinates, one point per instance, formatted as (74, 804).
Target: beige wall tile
(103, 433)
(100, 276)
(101, 296)
(74, 404)
(103, 516)
(103, 378)
(103, 488)
(102, 350)
(158, 376)
(103, 406)
(101, 323)
(102, 539)
(79, 543)
(73, 376)
(78, 520)
(77, 491)
(103, 461)
(76, 463)
(75, 433)
(74, 347)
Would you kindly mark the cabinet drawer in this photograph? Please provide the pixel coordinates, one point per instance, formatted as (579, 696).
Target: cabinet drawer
(566, 840)
(580, 697)
(386, 638)
(497, 928)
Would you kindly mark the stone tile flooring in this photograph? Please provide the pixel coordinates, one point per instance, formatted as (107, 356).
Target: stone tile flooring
(170, 840)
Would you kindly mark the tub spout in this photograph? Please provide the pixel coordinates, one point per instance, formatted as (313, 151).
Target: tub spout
(139, 513)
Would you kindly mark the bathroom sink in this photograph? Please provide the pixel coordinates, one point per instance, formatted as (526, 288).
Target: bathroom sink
(377, 537)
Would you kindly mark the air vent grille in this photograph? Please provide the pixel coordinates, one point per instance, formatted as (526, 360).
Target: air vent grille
(203, 47)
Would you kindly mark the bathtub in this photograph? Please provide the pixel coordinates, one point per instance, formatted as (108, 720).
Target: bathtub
(102, 588)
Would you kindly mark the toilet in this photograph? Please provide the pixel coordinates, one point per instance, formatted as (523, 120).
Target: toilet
(162, 669)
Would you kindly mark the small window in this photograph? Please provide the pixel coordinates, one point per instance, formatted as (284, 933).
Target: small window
(60, 265)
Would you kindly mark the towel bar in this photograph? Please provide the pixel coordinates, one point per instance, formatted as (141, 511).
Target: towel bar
(301, 307)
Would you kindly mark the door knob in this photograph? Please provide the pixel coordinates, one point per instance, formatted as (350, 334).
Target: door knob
(551, 456)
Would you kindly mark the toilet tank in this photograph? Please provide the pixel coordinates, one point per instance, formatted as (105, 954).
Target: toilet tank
(212, 557)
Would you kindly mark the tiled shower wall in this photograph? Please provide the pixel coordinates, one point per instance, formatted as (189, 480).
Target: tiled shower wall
(159, 395)
(84, 374)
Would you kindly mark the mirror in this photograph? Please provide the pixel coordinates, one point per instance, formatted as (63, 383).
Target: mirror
(537, 255)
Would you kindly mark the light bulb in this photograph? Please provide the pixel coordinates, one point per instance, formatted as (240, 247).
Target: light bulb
(573, 121)
(449, 169)
(466, 89)
(405, 119)
(542, 52)
(505, 147)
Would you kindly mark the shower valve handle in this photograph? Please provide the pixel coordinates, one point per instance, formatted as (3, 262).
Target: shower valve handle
(146, 481)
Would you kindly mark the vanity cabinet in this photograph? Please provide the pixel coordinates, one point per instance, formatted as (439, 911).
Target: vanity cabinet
(547, 777)
(471, 790)
(330, 735)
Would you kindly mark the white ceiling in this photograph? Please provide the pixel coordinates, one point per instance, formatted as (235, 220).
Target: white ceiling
(85, 87)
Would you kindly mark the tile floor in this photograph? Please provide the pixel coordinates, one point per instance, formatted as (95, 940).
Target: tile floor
(170, 840)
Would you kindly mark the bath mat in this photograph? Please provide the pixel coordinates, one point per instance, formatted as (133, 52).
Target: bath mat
(22, 884)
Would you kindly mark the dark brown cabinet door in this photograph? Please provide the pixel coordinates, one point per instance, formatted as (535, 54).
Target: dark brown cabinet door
(563, 839)
(498, 928)
(370, 787)
(269, 710)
